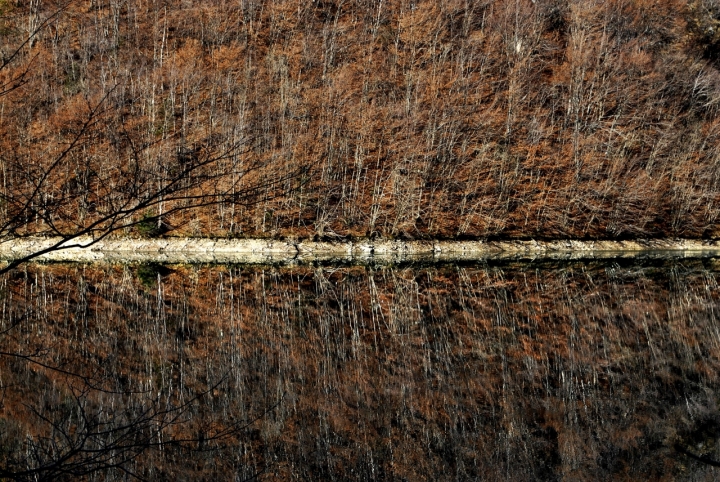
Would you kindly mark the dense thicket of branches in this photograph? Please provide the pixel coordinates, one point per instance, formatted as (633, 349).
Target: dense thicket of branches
(541, 372)
(516, 118)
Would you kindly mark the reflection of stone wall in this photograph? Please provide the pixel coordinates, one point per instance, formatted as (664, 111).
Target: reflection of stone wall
(523, 372)
(385, 251)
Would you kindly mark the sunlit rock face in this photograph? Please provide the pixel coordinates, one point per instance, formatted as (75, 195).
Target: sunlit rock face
(578, 371)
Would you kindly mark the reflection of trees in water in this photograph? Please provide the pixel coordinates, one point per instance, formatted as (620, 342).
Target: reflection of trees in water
(579, 371)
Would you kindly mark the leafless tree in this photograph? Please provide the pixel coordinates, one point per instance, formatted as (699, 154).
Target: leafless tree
(72, 195)
(69, 192)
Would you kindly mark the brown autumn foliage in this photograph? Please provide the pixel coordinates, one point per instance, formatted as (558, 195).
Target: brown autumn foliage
(406, 118)
(576, 371)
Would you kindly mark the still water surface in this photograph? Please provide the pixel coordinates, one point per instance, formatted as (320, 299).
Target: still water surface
(582, 370)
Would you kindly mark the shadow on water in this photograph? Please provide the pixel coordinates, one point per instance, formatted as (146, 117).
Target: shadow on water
(540, 370)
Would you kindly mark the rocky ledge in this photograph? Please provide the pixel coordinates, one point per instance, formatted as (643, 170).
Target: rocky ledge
(192, 250)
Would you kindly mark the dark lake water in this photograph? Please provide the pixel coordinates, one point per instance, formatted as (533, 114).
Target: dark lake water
(580, 370)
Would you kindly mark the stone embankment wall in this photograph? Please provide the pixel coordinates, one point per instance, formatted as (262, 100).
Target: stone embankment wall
(181, 250)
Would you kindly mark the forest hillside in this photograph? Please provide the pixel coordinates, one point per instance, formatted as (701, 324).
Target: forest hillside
(396, 118)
